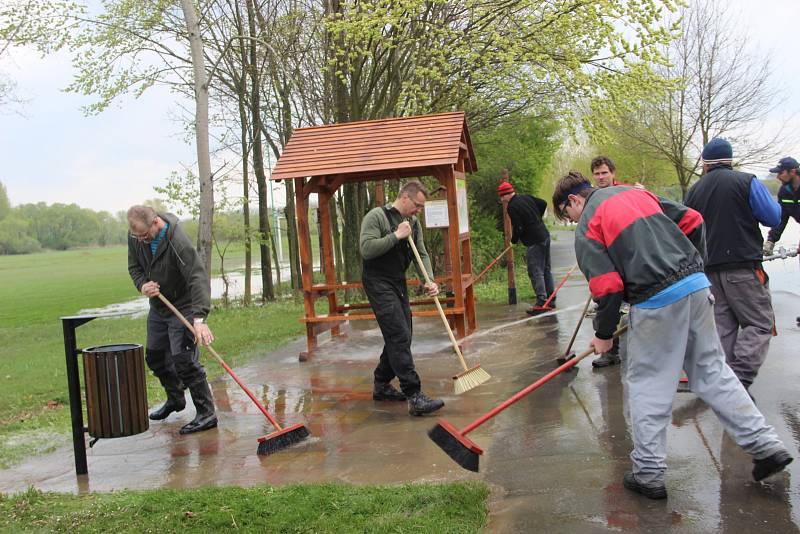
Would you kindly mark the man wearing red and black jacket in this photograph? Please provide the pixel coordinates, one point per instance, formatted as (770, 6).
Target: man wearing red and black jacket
(634, 246)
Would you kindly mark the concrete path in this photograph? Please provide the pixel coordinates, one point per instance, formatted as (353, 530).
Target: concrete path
(555, 460)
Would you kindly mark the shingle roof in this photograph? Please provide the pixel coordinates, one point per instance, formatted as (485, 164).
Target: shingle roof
(376, 145)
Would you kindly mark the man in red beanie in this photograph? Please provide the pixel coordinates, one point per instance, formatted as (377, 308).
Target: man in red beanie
(526, 212)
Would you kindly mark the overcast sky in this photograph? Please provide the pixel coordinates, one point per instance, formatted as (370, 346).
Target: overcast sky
(51, 152)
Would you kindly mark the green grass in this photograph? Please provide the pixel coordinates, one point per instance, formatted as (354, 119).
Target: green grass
(37, 289)
(439, 508)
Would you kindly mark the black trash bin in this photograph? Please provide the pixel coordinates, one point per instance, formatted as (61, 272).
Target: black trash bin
(116, 390)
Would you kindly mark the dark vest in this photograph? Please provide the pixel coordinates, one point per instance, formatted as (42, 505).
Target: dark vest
(733, 239)
(394, 263)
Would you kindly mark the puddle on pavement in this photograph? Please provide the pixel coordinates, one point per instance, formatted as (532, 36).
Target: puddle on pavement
(555, 460)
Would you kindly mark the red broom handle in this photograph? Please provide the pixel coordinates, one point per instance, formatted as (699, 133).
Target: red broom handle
(558, 370)
(186, 323)
(561, 283)
(486, 270)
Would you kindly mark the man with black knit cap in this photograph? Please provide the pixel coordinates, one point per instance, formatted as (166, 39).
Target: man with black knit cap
(788, 198)
(526, 212)
(733, 203)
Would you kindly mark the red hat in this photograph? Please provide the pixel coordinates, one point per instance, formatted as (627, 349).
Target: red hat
(504, 188)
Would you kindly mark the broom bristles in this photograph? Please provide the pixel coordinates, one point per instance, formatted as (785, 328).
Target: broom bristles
(282, 438)
(457, 446)
(469, 379)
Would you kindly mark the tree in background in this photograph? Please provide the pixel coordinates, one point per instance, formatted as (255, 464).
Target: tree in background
(718, 88)
(5, 203)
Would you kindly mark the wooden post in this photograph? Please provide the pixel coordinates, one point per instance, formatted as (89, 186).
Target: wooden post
(454, 235)
(512, 280)
(326, 258)
(306, 268)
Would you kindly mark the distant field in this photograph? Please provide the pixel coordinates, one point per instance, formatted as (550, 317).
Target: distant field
(37, 289)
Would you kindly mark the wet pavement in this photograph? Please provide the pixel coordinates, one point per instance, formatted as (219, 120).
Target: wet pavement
(555, 460)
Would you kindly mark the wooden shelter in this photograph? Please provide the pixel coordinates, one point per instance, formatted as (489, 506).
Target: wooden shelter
(320, 159)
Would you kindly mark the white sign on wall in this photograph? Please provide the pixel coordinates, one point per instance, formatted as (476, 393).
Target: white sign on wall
(436, 214)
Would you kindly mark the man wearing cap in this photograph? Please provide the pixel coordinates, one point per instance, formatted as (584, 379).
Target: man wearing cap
(635, 246)
(526, 212)
(788, 198)
(733, 204)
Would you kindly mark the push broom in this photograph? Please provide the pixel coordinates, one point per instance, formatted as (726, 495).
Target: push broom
(283, 436)
(546, 306)
(470, 377)
(466, 452)
(568, 355)
(494, 261)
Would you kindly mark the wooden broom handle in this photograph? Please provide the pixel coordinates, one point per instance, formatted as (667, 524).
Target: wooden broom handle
(436, 300)
(250, 394)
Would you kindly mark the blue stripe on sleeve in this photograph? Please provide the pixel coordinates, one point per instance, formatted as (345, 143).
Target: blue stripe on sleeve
(765, 209)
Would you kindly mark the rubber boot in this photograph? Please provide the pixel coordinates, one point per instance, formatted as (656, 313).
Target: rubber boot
(176, 401)
(420, 404)
(203, 401)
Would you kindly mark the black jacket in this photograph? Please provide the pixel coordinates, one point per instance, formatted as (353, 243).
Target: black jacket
(176, 267)
(789, 199)
(733, 238)
(526, 214)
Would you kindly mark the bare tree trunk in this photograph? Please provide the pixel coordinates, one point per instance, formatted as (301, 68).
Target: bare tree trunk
(267, 289)
(248, 251)
(206, 217)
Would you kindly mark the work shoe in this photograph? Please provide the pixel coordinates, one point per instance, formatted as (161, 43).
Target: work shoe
(386, 392)
(420, 404)
(651, 491)
(606, 359)
(204, 404)
(771, 464)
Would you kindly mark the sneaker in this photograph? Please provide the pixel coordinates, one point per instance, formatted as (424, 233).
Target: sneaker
(651, 491)
(771, 464)
(606, 359)
(421, 404)
(386, 392)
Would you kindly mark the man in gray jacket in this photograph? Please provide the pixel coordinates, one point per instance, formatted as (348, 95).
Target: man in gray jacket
(161, 259)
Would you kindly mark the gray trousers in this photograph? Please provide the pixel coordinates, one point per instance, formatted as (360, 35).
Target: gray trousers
(660, 343)
(743, 311)
(538, 259)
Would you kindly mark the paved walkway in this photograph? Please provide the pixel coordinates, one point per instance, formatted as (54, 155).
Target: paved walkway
(555, 460)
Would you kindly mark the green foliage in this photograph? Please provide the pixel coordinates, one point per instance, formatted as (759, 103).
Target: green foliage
(59, 227)
(524, 145)
(15, 237)
(325, 508)
(488, 58)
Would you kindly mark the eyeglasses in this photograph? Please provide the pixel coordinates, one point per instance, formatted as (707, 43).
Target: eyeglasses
(145, 235)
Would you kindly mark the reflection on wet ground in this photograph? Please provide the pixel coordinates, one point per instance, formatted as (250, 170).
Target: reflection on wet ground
(555, 460)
